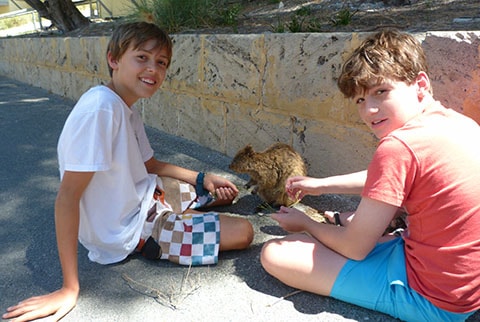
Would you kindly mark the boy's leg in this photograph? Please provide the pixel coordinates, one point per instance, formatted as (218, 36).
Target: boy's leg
(178, 230)
(196, 238)
(301, 261)
(188, 239)
(235, 232)
(379, 282)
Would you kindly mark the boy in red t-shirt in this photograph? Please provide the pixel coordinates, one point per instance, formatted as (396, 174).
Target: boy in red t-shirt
(427, 164)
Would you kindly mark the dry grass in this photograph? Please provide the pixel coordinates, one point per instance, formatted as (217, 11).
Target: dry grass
(171, 299)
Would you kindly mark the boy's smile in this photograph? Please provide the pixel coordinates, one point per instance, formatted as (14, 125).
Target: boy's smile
(139, 72)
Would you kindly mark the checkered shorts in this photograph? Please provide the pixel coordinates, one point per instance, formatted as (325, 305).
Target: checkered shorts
(190, 239)
(186, 239)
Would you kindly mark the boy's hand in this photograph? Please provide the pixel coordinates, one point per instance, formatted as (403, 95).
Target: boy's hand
(57, 304)
(292, 220)
(225, 191)
(298, 187)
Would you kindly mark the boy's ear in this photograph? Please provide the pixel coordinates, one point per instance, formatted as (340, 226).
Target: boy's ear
(112, 62)
(423, 85)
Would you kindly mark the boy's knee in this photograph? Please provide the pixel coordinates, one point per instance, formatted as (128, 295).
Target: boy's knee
(268, 255)
(235, 233)
(247, 235)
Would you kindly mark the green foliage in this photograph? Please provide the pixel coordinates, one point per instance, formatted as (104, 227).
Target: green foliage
(303, 11)
(295, 25)
(343, 17)
(429, 4)
(300, 22)
(313, 26)
(178, 15)
(229, 16)
(279, 27)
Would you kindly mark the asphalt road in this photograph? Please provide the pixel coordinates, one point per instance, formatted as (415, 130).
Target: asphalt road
(237, 289)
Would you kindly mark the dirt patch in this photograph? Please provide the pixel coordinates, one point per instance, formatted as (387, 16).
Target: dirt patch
(267, 16)
(264, 16)
(328, 15)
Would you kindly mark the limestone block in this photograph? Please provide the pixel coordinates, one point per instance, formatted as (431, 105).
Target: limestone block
(27, 73)
(9, 50)
(188, 116)
(203, 121)
(185, 69)
(27, 51)
(453, 61)
(328, 147)
(344, 111)
(224, 91)
(59, 52)
(75, 84)
(233, 67)
(255, 126)
(95, 55)
(88, 55)
(44, 50)
(349, 150)
(471, 104)
(301, 71)
(161, 111)
(54, 81)
(76, 54)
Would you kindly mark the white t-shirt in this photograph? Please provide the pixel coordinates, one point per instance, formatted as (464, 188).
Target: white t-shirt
(103, 135)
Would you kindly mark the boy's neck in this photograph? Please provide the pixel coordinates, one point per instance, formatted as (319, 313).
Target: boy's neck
(112, 87)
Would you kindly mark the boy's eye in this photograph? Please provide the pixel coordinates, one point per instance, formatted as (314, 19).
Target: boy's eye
(359, 100)
(380, 91)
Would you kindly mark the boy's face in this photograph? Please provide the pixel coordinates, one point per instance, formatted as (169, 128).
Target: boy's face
(140, 72)
(388, 106)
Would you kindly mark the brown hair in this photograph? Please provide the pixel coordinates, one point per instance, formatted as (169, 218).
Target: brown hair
(136, 34)
(388, 54)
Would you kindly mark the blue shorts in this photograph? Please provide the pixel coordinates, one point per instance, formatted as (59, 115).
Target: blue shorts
(379, 282)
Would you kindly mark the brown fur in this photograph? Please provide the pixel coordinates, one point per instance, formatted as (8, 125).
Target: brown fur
(268, 171)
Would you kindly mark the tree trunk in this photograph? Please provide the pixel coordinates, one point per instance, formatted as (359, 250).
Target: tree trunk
(62, 13)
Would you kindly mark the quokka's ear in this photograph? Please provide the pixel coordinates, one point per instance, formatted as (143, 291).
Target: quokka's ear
(248, 149)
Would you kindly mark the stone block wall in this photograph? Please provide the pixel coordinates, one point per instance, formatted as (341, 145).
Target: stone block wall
(224, 91)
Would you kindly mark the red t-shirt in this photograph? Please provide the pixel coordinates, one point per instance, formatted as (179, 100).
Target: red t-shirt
(431, 166)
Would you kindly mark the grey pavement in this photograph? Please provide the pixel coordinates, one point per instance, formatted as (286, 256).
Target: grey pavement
(236, 289)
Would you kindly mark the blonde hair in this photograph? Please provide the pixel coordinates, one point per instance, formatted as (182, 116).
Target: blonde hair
(388, 54)
(136, 34)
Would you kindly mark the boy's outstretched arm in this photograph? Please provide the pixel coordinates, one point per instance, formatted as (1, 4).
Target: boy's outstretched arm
(299, 186)
(223, 188)
(62, 301)
(354, 240)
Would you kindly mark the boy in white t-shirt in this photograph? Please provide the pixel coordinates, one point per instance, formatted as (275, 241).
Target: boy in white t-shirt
(115, 197)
